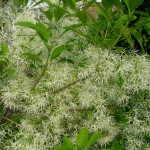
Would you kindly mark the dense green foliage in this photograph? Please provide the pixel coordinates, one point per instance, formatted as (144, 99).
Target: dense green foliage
(63, 70)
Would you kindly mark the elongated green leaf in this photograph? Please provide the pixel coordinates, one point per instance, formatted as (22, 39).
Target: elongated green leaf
(68, 143)
(147, 27)
(57, 51)
(107, 4)
(40, 28)
(82, 138)
(145, 22)
(59, 13)
(94, 138)
(24, 2)
(132, 5)
(48, 14)
(142, 22)
(31, 56)
(138, 37)
(121, 21)
(19, 3)
(71, 27)
(64, 2)
(71, 4)
(121, 81)
(38, 3)
(68, 60)
(74, 26)
(43, 31)
(82, 15)
(27, 24)
(61, 148)
(127, 35)
(102, 12)
(117, 3)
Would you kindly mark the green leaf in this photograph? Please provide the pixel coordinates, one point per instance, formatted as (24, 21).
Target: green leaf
(31, 56)
(48, 14)
(37, 3)
(142, 22)
(147, 28)
(109, 42)
(73, 28)
(40, 28)
(127, 35)
(132, 5)
(3, 61)
(57, 51)
(121, 21)
(64, 2)
(117, 3)
(17, 3)
(138, 37)
(24, 2)
(145, 22)
(68, 60)
(94, 138)
(82, 15)
(102, 13)
(68, 143)
(117, 146)
(43, 31)
(107, 4)
(20, 3)
(121, 81)
(10, 72)
(59, 13)
(27, 24)
(3, 49)
(61, 148)
(82, 138)
(71, 4)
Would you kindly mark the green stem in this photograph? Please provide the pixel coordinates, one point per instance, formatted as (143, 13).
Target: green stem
(43, 72)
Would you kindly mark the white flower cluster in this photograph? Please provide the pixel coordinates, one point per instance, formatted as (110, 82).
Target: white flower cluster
(71, 96)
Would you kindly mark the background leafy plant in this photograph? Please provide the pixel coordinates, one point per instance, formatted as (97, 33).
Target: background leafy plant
(111, 29)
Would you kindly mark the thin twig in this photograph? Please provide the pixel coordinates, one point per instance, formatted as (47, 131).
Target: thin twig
(13, 122)
(25, 35)
(70, 84)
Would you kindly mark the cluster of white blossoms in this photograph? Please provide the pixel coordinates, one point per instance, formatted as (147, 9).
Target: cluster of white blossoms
(70, 96)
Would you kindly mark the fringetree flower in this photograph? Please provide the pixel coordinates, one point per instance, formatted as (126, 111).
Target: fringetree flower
(97, 89)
